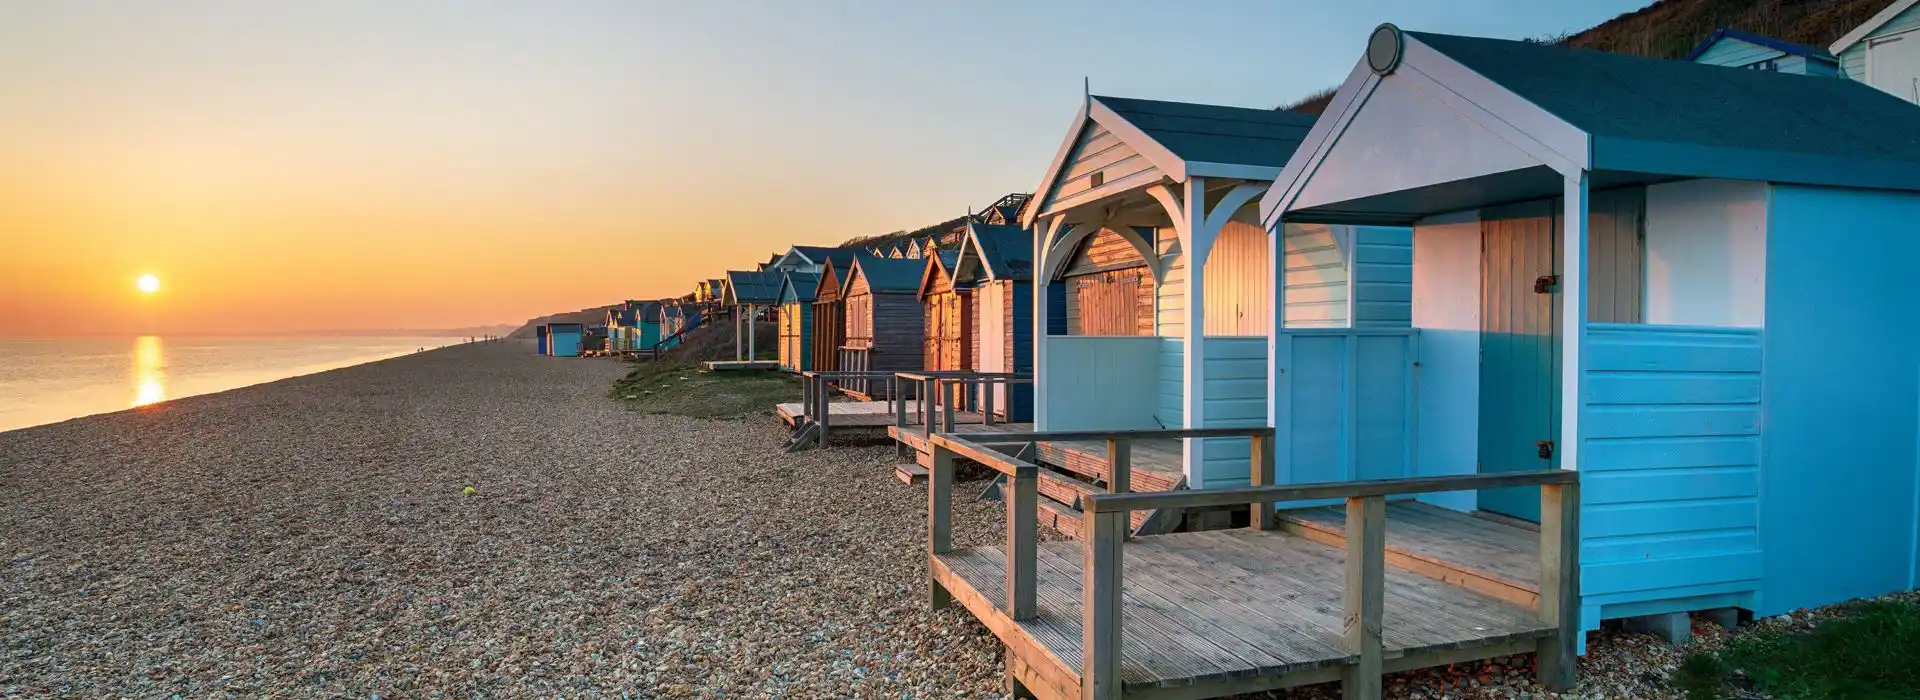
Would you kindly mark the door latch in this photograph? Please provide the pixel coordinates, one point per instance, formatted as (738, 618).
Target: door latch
(1545, 447)
(1546, 284)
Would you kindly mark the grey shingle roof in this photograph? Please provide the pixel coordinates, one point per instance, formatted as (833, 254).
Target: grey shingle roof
(1006, 250)
(1649, 115)
(891, 274)
(754, 287)
(803, 284)
(1216, 134)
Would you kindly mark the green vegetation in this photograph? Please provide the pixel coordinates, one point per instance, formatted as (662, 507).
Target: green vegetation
(684, 389)
(1868, 652)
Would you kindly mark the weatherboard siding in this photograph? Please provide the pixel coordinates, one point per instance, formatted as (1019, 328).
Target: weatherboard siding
(1316, 273)
(1346, 405)
(1853, 61)
(1081, 386)
(1737, 53)
(1382, 275)
(1670, 464)
(1098, 152)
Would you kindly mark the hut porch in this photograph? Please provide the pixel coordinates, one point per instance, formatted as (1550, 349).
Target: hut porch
(1208, 614)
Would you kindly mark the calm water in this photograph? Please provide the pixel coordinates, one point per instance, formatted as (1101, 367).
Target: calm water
(47, 381)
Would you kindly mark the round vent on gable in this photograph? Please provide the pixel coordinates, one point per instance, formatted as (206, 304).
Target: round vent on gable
(1384, 49)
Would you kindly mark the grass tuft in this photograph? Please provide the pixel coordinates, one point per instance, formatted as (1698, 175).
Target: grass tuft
(1867, 653)
(687, 390)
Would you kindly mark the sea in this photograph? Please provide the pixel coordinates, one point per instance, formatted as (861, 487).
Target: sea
(50, 380)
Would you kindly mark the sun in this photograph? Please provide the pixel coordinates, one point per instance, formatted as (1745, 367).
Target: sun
(147, 284)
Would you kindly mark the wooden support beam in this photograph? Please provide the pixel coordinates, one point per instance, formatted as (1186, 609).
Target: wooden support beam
(939, 521)
(1366, 601)
(1119, 465)
(1022, 545)
(1262, 475)
(1106, 535)
(1559, 584)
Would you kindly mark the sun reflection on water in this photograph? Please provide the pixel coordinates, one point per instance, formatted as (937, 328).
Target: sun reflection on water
(149, 371)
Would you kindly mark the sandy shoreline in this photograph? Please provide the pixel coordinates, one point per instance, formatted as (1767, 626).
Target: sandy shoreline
(308, 537)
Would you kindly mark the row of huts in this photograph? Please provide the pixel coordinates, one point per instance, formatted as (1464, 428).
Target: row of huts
(1661, 305)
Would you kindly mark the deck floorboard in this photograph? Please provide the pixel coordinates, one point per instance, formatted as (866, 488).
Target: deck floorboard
(1227, 605)
(1497, 550)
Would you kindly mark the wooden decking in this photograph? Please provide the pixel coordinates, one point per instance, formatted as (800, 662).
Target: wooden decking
(1494, 558)
(846, 415)
(1209, 613)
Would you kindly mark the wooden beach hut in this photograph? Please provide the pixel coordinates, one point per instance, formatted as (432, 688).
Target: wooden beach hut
(565, 339)
(748, 295)
(797, 296)
(1610, 281)
(947, 311)
(1884, 52)
(1737, 49)
(829, 315)
(883, 321)
(996, 262)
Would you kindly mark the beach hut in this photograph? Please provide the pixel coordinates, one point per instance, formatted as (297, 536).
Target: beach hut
(1155, 273)
(1737, 49)
(1885, 51)
(797, 290)
(540, 339)
(829, 315)
(996, 262)
(747, 295)
(619, 323)
(913, 250)
(645, 332)
(883, 320)
(948, 338)
(565, 339)
(1707, 319)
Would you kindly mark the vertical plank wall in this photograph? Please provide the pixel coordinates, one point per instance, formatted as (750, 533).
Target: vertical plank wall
(1670, 469)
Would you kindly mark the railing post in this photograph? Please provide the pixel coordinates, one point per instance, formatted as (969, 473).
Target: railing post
(1559, 584)
(1106, 534)
(1366, 595)
(1262, 513)
(1119, 465)
(939, 522)
(826, 412)
(899, 404)
(987, 390)
(928, 387)
(1022, 543)
(948, 399)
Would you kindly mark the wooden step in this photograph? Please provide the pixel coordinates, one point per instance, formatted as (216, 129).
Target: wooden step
(910, 474)
(1062, 519)
(1064, 489)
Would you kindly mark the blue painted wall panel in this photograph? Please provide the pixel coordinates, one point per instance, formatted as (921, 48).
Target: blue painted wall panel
(1842, 395)
(1345, 409)
(1169, 383)
(1021, 395)
(1670, 467)
(1236, 396)
(1382, 277)
(565, 343)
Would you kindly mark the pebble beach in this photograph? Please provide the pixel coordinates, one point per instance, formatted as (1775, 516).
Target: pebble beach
(313, 537)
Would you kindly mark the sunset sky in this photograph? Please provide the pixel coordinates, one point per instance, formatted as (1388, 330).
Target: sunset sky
(409, 164)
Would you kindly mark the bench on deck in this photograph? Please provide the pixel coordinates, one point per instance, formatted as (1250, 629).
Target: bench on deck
(1208, 614)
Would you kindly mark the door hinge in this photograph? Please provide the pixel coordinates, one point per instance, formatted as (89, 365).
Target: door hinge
(1546, 284)
(1545, 447)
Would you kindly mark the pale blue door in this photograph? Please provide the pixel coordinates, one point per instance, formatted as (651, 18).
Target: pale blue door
(1519, 350)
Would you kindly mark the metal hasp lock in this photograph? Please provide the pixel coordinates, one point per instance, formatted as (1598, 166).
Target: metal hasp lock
(1546, 284)
(1545, 447)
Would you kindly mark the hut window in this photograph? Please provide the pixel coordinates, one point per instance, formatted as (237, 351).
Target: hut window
(1098, 178)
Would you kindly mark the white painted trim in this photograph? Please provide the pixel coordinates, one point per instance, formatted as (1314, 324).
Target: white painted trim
(1854, 37)
(1233, 171)
(1359, 85)
(1191, 223)
(1573, 319)
(1079, 125)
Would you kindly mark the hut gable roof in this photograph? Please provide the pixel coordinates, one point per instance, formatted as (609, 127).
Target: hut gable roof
(828, 288)
(752, 287)
(1872, 24)
(820, 255)
(885, 275)
(1516, 119)
(1140, 142)
(797, 286)
(999, 253)
(937, 275)
(1786, 47)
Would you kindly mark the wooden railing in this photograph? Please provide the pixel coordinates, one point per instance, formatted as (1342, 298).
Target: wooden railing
(939, 394)
(1104, 532)
(816, 391)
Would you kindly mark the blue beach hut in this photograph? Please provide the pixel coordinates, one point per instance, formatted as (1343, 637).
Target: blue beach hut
(646, 331)
(1737, 49)
(996, 262)
(797, 294)
(540, 339)
(1708, 318)
(564, 339)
